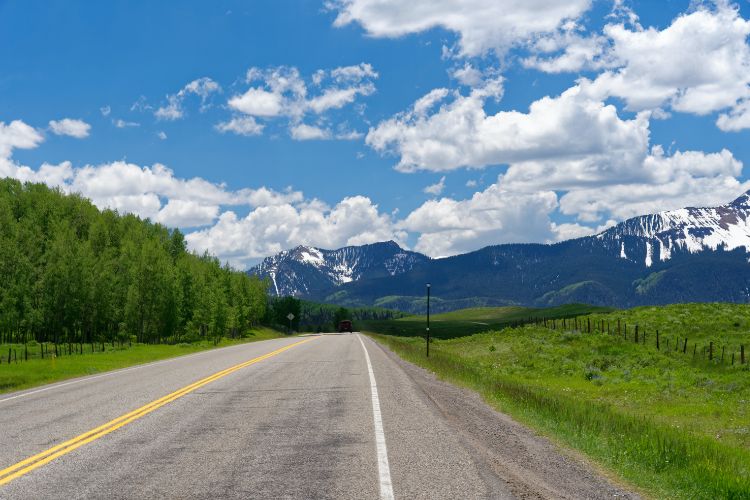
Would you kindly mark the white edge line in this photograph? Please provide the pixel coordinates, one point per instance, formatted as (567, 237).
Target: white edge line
(384, 470)
(122, 370)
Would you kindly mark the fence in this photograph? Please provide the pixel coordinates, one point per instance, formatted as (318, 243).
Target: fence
(708, 351)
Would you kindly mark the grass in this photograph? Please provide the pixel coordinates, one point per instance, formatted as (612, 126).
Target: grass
(674, 425)
(35, 371)
(470, 321)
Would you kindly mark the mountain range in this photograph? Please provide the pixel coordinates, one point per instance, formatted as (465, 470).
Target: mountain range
(685, 255)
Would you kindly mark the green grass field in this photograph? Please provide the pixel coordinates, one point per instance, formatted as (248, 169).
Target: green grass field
(25, 374)
(470, 321)
(673, 424)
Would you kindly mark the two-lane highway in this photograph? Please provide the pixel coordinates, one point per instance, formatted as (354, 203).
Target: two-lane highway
(330, 416)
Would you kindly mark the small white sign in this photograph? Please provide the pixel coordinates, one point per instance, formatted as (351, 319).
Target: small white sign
(290, 316)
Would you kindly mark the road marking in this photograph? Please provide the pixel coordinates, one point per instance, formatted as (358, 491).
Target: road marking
(29, 464)
(120, 370)
(384, 470)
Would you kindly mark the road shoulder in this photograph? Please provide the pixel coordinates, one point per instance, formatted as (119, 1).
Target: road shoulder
(530, 465)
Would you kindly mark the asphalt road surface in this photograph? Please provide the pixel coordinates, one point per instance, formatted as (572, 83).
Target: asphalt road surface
(328, 416)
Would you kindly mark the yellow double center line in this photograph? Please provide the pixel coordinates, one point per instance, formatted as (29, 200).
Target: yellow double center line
(25, 466)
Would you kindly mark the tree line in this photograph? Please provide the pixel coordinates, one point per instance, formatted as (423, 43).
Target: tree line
(72, 273)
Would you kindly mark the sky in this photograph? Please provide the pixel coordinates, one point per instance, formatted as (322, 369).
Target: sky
(447, 126)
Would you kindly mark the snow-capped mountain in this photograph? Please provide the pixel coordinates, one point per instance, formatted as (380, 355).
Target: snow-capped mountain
(685, 255)
(649, 238)
(305, 269)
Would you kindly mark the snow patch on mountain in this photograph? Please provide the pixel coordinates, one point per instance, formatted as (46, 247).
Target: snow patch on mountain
(303, 269)
(312, 256)
(690, 230)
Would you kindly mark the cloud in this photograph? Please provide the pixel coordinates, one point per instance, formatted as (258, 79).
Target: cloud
(282, 93)
(151, 192)
(699, 64)
(270, 229)
(257, 102)
(276, 219)
(570, 131)
(468, 75)
(304, 132)
(437, 188)
(173, 110)
(187, 213)
(18, 135)
(70, 127)
(495, 215)
(105, 110)
(120, 123)
(336, 98)
(241, 125)
(572, 52)
(482, 25)
(738, 118)
(161, 135)
(690, 178)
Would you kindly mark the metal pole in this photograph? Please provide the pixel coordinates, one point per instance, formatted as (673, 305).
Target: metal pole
(428, 320)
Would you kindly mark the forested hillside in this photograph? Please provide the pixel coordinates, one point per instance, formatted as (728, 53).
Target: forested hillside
(72, 273)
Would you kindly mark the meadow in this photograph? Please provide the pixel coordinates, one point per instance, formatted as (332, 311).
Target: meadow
(21, 374)
(670, 422)
(474, 320)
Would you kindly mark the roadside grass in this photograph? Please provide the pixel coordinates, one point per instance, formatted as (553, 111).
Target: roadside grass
(35, 372)
(474, 320)
(673, 425)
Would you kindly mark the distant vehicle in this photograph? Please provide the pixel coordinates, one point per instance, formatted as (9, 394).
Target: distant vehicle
(345, 326)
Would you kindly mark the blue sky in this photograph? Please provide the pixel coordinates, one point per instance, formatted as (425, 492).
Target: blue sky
(257, 126)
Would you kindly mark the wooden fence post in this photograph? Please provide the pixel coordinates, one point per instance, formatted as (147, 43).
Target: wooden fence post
(636, 334)
(684, 348)
(657, 340)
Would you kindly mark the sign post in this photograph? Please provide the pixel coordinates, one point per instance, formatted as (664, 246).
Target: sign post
(428, 320)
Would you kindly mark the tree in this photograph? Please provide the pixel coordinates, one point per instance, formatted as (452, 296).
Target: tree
(340, 315)
(282, 308)
(72, 273)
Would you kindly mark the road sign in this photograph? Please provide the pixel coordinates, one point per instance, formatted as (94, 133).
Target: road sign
(290, 316)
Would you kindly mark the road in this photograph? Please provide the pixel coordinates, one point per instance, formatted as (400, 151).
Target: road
(326, 416)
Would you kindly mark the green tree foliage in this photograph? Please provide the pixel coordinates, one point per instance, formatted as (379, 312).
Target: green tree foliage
(279, 310)
(320, 317)
(340, 315)
(72, 273)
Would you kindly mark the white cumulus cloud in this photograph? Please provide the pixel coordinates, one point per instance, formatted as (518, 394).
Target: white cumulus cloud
(70, 127)
(482, 25)
(270, 229)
